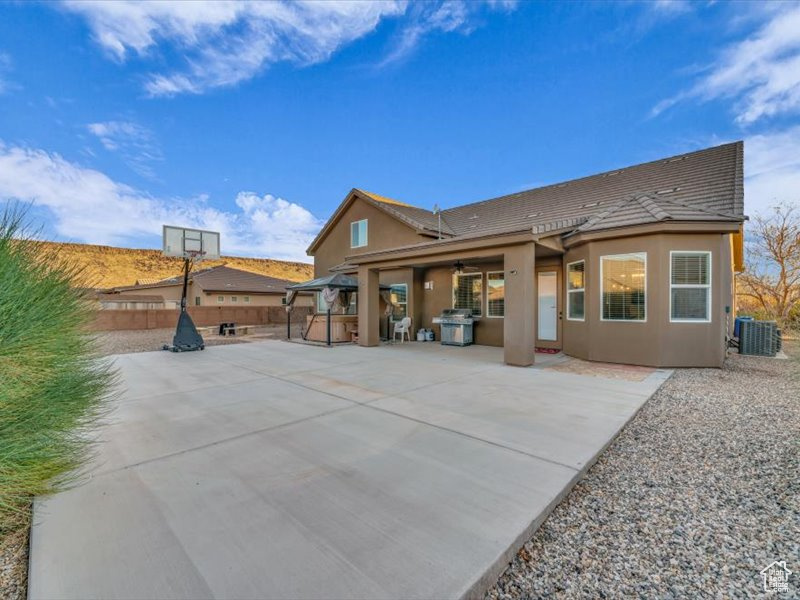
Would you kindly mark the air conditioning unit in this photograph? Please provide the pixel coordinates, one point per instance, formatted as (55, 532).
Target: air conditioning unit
(759, 338)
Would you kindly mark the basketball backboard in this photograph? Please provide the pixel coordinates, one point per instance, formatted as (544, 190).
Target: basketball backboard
(185, 242)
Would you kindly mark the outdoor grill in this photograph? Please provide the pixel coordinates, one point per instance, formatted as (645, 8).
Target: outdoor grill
(457, 324)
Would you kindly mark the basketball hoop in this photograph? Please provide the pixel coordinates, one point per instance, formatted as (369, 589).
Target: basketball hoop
(193, 246)
(195, 256)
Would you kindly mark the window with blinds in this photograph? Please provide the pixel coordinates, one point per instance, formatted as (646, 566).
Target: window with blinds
(495, 294)
(624, 282)
(576, 291)
(467, 290)
(690, 287)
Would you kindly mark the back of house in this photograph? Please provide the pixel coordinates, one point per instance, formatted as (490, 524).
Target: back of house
(635, 265)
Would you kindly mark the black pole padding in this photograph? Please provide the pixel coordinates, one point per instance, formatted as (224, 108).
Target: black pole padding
(288, 325)
(329, 327)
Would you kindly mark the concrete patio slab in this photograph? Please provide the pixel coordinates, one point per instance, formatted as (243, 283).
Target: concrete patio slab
(274, 470)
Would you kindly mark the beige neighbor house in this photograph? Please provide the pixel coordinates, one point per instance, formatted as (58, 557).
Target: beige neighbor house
(216, 286)
(631, 266)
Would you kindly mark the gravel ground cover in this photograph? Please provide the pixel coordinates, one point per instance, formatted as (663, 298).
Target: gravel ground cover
(123, 342)
(698, 493)
(14, 559)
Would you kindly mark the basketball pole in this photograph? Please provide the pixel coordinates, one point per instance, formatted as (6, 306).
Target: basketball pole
(186, 337)
(185, 283)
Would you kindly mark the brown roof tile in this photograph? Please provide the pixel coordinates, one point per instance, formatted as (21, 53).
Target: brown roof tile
(702, 185)
(227, 279)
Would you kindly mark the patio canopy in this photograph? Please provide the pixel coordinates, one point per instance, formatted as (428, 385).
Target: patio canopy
(338, 281)
(335, 288)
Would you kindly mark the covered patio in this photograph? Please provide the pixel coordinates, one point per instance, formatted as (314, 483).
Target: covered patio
(512, 284)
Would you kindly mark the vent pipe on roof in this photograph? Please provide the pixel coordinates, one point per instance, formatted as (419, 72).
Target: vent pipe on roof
(438, 212)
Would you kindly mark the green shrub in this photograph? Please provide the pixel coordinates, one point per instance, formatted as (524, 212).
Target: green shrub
(53, 386)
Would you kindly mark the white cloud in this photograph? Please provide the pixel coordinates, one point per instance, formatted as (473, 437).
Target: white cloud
(772, 170)
(6, 85)
(89, 206)
(224, 43)
(761, 73)
(446, 17)
(136, 144)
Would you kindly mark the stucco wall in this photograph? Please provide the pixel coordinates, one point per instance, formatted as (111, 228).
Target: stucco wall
(210, 299)
(656, 341)
(383, 232)
(168, 292)
(487, 330)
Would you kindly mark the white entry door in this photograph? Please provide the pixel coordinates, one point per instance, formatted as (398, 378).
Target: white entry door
(548, 313)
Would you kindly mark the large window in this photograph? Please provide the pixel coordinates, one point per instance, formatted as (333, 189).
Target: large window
(576, 291)
(495, 294)
(624, 281)
(358, 234)
(399, 292)
(690, 287)
(467, 291)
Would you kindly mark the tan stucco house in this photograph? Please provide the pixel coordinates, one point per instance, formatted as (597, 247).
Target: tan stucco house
(215, 286)
(631, 266)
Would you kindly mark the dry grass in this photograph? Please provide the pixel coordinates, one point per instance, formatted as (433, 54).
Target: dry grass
(106, 266)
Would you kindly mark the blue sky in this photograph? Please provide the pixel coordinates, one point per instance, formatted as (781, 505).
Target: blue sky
(257, 119)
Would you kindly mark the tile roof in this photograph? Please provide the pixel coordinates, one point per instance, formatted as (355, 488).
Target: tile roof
(705, 185)
(223, 279)
(227, 279)
(419, 218)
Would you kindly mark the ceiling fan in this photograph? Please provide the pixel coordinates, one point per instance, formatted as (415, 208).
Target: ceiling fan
(459, 268)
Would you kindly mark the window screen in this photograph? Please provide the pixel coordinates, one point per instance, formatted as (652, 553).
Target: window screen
(690, 286)
(576, 291)
(358, 234)
(495, 294)
(623, 287)
(467, 290)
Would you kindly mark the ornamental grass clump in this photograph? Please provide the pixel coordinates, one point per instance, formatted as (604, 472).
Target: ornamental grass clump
(53, 385)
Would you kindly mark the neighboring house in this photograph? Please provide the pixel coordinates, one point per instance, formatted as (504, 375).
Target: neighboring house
(218, 286)
(631, 266)
(113, 301)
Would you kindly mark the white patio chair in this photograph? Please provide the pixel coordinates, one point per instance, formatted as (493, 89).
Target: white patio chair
(403, 327)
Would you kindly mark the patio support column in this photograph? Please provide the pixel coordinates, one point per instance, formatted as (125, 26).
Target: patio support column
(368, 307)
(519, 327)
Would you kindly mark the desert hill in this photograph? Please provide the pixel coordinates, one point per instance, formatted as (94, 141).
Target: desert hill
(107, 266)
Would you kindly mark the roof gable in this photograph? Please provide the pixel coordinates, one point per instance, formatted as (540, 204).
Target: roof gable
(418, 219)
